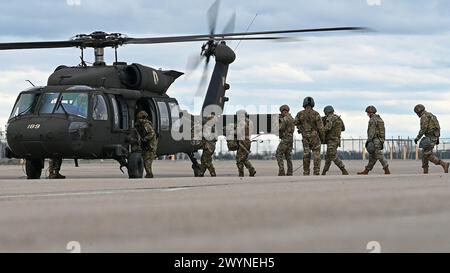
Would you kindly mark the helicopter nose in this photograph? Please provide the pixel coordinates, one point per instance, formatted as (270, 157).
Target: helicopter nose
(44, 137)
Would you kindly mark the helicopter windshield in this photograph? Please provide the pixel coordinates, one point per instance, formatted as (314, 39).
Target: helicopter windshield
(71, 103)
(25, 105)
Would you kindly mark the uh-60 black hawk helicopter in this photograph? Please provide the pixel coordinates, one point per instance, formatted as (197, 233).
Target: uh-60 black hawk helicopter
(88, 112)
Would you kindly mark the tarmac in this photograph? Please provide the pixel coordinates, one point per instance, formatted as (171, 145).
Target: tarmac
(103, 211)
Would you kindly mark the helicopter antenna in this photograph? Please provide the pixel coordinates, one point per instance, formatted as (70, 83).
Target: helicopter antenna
(248, 28)
(30, 83)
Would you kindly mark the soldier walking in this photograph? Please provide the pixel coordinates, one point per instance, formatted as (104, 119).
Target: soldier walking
(375, 141)
(209, 140)
(429, 127)
(284, 150)
(244, 128)
(310, 125)
(333, 126)
(148, 141)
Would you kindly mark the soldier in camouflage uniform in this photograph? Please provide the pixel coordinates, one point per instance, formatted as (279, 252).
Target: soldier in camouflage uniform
(54, 168)
(375, 141)
(148, 141)
(310, 125)
(244, 128)
(333, 126)
(209, 146)
(284, 149)
(429, 127)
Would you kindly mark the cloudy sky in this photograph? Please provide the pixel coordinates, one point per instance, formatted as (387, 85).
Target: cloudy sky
(405, 61)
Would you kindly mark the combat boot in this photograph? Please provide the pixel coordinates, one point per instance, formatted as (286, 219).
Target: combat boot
(252, 172)
(149, 175)
(281, 173)
(365, 172)
(344, 171)
(289, 172)
(213, 173)
(445, 165)
(56, 175)
(201, 172)
(326, 168)
(241, 173)
(386, 170)
(425, 170)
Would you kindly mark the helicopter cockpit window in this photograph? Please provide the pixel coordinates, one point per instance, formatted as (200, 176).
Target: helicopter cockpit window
(100, 111)
(25, 105)
(48, 103)
(73, 104)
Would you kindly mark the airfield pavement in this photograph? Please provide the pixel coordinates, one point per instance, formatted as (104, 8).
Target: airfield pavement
(101, 209)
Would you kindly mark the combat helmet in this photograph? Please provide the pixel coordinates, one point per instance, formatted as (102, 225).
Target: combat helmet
(419, 108)
(328, 110)
(142, 115)
(284, 108)
(308, 101)
(371, 109)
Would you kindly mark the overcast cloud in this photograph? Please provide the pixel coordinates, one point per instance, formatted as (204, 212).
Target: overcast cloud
(405, 62)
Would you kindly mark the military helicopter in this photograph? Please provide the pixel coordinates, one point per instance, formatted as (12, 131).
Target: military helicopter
(88, 112)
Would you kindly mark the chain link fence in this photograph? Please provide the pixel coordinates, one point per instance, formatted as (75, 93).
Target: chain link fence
(350, 149)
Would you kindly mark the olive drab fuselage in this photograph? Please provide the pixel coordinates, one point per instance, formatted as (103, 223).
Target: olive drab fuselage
(90, 119)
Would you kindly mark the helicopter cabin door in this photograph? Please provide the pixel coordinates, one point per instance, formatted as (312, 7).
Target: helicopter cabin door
(169, 116)
(100, 129)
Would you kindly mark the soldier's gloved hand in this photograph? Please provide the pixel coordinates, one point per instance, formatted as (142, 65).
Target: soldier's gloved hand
(416, 140)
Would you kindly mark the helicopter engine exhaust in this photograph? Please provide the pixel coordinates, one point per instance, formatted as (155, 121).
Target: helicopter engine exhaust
(139, 77)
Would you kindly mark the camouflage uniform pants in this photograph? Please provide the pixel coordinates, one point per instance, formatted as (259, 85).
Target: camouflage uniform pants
(54, 165)
(206, 161)
(242, 156)
(377, 156)
(148, 156)
(331, 156)
(428, 155)
(284, 150)
(311, 146)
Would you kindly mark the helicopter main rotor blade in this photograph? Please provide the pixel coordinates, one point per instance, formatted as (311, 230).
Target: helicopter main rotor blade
(229, 28)
(213, 13)
(190, 38)
(118, 41)
(37, 45)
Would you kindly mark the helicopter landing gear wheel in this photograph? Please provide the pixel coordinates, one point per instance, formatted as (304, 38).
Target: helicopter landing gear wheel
(135, 166)
(33, 168)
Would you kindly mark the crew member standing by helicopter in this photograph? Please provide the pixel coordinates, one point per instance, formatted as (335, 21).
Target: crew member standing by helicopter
(148, 141)
(54, 168)
(284, 149)
(244, 128)
(209, 140)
